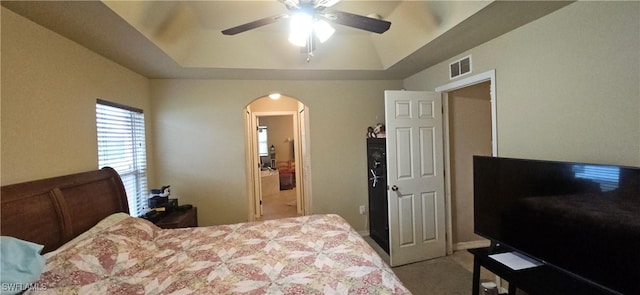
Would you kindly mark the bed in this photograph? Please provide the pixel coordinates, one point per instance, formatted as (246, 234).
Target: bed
(93, 247)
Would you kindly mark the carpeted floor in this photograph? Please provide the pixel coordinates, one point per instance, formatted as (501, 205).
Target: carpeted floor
(449, 275)
(441, 276)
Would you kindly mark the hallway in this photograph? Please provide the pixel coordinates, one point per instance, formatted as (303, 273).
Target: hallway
(280, 205)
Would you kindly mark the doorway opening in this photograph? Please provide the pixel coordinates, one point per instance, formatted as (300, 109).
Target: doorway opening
(470, 128)
(277, 158)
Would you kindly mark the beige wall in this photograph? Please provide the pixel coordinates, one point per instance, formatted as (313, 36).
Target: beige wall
(48, 124)
(199, 142)
(469, 135)
(280, 134)
(50, 87)
(567, 89)
(567, 84)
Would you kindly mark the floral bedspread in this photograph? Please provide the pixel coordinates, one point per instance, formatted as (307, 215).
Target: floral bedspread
(317, 254)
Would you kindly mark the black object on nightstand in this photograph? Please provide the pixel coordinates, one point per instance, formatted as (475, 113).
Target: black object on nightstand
(153, 216)
(180, 218)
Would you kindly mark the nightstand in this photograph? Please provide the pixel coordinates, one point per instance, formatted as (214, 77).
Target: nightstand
(178, 219)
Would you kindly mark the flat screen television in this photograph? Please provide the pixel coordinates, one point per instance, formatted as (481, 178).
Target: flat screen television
(581, 218)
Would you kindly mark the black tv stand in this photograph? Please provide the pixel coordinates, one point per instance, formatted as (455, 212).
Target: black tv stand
(540, 280)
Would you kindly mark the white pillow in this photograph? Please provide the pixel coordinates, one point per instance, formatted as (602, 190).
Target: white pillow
(103, 224)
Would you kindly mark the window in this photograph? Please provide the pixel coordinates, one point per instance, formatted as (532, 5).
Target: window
(263, 146)
(121, 146)
(606, 176)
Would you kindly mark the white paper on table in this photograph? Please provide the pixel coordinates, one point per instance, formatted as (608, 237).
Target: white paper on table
(515, 261)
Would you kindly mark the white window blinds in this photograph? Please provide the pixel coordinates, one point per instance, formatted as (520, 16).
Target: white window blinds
(263, 146)
(121, 146)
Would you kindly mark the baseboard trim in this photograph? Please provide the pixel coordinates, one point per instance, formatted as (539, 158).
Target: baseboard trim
(363, 233)
(471, 245)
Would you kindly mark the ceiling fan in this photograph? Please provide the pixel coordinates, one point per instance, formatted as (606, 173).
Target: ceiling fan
(310, 20)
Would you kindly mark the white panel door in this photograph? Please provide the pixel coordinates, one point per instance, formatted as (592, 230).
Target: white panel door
(415, 176)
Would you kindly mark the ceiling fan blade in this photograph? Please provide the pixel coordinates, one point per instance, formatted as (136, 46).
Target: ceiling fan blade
(254, 24)
(373, 25)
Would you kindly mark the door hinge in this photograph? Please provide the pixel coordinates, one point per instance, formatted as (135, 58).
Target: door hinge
(260, 202)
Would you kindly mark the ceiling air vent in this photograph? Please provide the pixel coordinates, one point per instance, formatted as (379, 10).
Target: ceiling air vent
(460, 67)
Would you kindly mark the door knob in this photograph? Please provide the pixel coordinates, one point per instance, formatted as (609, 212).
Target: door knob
(394, 188)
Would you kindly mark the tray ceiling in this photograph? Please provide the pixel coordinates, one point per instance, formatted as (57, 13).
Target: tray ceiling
(182, 39)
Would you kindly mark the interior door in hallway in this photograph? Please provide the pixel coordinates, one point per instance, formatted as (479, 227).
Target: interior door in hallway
(415, 176)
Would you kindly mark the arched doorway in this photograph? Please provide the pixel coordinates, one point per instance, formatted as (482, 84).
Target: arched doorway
(290, 163)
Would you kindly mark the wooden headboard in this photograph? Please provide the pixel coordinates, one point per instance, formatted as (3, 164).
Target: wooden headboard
(53, 211)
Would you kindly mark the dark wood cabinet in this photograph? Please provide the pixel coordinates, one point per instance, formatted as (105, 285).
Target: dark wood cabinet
(178, 219)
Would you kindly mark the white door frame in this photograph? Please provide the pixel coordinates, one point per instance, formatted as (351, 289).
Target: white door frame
(296, 142)
(304, 164)
(251, 163)
(445, 89)
(300, 129)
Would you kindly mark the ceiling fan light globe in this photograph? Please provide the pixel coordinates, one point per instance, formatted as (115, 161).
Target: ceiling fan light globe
(300, 28)
(323, 30)
(299, 40)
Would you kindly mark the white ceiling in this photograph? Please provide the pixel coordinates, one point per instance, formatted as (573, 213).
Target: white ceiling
(182, 39)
